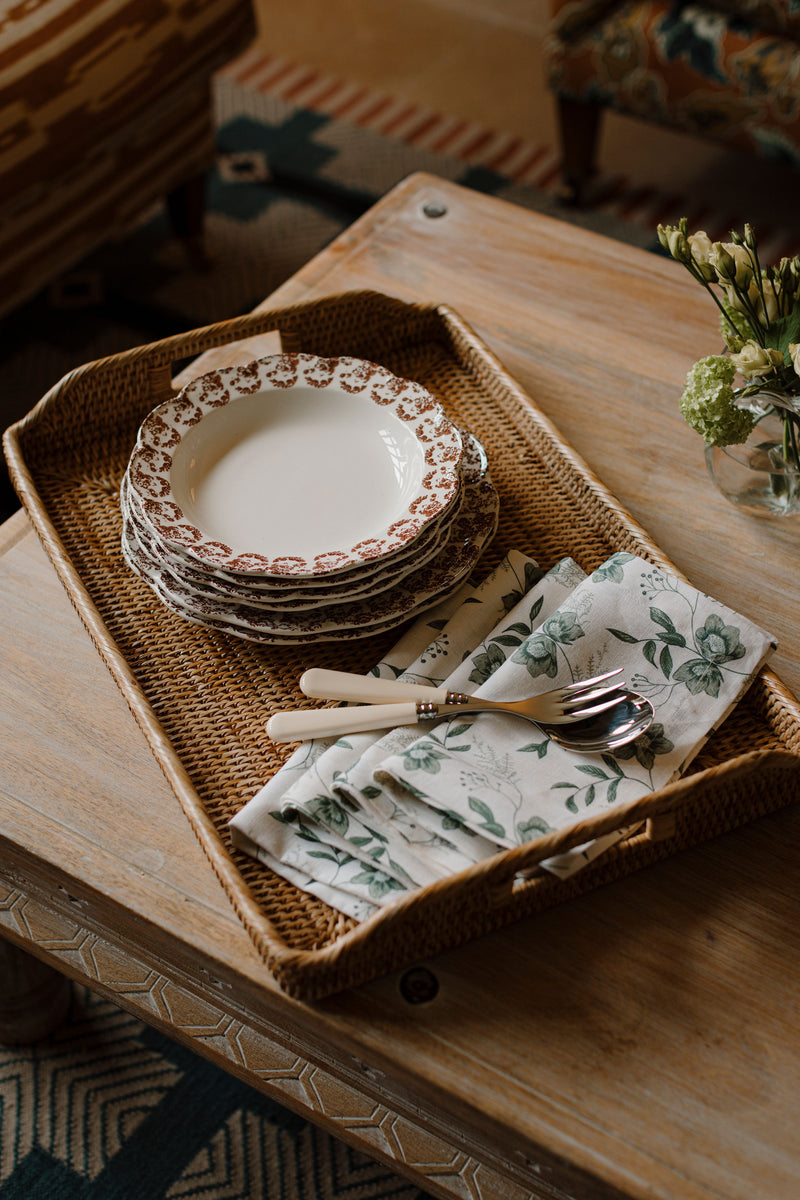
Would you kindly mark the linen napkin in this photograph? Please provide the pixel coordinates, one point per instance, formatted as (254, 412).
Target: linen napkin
(325, 796)
(359, 820)
(690, 655)
(295, 824)
(428, 851)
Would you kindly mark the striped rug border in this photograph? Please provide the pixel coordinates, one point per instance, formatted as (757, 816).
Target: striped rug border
(415, 125)
(521, 161)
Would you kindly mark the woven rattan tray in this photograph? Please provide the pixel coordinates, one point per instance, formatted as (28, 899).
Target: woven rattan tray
(67, 458)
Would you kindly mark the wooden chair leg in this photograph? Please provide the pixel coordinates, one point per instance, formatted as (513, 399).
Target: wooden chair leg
(579, 130)
(34, 998)
(186, 207)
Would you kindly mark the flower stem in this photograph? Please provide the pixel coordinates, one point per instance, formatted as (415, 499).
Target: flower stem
(753, 255)
(791, 452)
(697, 275)
(750, 312)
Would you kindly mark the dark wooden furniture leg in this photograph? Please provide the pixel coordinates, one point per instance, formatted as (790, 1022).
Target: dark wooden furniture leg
(34, 998)
(579, 129)
(186, 210)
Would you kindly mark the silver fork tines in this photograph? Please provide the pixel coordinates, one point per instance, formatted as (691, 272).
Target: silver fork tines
(572, 702)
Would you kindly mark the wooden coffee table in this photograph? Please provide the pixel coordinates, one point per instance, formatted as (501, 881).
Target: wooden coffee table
(642, 1041)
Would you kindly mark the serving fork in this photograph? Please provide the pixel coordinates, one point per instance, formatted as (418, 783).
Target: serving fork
(577, 704)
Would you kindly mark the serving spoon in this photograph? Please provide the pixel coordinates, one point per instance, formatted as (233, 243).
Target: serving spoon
(612, 724)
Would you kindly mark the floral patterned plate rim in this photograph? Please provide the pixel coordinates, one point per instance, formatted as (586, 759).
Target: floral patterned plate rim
(360, 579)
(226, 591)
(296, 465)
(470, 534)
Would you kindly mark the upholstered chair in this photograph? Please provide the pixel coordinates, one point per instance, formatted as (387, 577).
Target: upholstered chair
(726, 70)
(105, 107)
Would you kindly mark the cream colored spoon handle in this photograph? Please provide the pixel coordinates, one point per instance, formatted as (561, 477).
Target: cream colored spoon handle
(333, 722)
(365, 689)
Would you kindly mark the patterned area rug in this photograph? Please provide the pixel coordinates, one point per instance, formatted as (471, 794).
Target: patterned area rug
(108, 1109)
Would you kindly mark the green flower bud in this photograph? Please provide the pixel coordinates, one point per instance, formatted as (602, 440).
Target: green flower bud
(676, 242)
(723, 262)
(732, 263)
(784, 274)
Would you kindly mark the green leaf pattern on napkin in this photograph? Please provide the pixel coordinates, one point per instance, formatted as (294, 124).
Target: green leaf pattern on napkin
(274, 827)
(360, 820)
(690, 647)
(711, 646)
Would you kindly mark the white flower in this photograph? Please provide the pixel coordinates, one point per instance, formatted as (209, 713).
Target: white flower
(747, 300)
(735, 300)
(794, 350)
(768, 310)
(753, 359)
(700, 245)
(731, 262)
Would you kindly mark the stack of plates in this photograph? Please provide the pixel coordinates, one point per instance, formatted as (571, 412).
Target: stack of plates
(302, 499)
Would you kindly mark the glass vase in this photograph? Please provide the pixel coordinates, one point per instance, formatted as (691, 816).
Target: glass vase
(755, 476)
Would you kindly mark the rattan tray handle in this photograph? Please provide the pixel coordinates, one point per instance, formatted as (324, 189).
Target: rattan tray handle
(161, 357)
(710, 793)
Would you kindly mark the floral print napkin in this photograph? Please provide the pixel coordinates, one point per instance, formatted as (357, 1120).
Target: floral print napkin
(691, 656)
(299, 827)
(362, 819)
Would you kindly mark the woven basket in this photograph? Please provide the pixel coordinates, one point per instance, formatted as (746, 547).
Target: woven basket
(203, 698)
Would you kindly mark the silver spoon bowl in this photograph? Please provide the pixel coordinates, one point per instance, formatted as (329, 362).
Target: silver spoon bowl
(630, 717)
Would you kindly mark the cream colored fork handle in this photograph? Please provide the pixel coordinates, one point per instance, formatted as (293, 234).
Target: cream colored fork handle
(365, 689)
(333, 722)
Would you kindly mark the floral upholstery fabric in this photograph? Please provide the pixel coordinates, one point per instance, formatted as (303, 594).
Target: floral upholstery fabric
(769, 16)
(104, 108)
(726, 71)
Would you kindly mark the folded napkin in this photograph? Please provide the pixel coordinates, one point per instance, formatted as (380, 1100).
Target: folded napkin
(297, 825)
(359, 820)
(688, 654)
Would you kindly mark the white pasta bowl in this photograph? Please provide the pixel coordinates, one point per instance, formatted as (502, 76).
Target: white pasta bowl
(296, 465)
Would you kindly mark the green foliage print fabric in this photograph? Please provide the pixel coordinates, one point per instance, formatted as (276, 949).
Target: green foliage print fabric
(311, 832)
(503, 779)
(361, 820)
